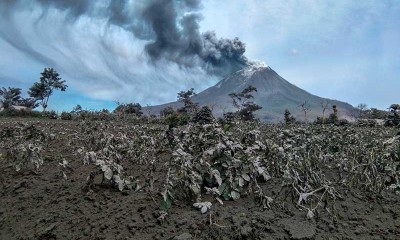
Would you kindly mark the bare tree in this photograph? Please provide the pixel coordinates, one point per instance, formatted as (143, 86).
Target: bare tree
(361, 108)
(324, 104)
(305, 108)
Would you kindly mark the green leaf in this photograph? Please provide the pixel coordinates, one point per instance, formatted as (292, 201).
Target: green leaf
(226, 195)
(166, 204)
(222, 188)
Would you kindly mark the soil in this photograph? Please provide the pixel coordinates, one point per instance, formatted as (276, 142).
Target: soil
(44, 205)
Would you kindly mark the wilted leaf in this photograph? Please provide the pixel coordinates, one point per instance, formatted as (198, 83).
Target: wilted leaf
(204, 209)
(203, 206)
(246, 177)
(310, 214)
(217, 176)
(108, 173)
(241, 182)
(235, 195)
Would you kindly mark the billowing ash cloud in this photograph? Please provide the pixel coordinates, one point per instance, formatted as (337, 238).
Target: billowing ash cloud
(183, 42)
(85, 37)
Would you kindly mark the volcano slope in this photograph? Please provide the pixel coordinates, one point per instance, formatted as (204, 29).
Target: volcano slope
(274, 94)
(273, 181)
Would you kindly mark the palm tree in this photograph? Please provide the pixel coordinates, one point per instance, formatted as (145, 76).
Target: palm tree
(10, 96)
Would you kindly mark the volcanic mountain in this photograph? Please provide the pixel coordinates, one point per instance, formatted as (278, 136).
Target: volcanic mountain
(274, 94)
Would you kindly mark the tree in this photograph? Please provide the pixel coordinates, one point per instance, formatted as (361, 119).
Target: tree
(130, 108)
(28, 102)
(77, 109)
(394, 116)
(10, 96)
(49, 81)
(361, 109)
(324, 105)
(167, 111)
(305, 108)
(203, 116)
(288, 117)
(242, 101)
(186, 99)
(333, 117)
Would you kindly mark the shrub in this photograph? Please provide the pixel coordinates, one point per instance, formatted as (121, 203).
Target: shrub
(177, 119)
(229, 117)
(129, 108)
(66, 116)
(332, 119)
(203, 116)
(167, 111)
(52, 114)
(289, 119)
(394, 118)
(342, 122)
(20, 113)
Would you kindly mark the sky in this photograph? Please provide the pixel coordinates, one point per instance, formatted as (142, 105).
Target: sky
(146, 51)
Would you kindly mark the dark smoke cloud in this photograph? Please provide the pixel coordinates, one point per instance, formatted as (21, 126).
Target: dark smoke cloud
(182, 42)
(171, 28)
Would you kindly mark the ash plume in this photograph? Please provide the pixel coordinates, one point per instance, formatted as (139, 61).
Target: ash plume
(178, 39)
(170, 27)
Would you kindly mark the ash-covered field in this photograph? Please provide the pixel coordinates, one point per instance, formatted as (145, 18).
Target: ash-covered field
(138, 179)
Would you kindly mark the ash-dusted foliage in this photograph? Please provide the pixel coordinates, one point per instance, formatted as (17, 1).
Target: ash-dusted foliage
(206, 156)
(203, 116)
(107, 148)
(23, 146)
(209, 164)
(229, 164)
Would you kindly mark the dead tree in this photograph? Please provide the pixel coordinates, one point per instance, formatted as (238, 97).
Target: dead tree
(324, 105)
(305, 108)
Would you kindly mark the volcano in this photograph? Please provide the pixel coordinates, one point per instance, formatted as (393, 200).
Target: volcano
(274, 94)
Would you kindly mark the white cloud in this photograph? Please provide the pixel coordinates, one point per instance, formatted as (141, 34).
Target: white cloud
(346, 46)
(99, 60)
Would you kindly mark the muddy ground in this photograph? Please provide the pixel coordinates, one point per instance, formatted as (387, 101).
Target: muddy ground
(44, 205)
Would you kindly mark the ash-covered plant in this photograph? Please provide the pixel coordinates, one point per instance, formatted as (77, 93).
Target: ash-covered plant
(105, 151)
(109, 147)
(23, 146)
(66, 116)
(25, 156)
(207, 159)
(203, 116)
(51, 114)
(229, 117)
(289, 119)
(110, 171)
